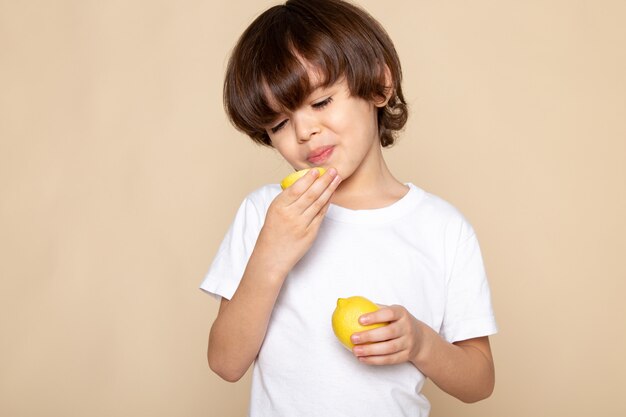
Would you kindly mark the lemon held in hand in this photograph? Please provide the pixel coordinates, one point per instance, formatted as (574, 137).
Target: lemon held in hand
(294, 176)
(346, 318)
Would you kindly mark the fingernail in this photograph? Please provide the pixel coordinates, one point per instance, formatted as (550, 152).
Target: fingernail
(364, 319)
(355, 339)
(358, 350)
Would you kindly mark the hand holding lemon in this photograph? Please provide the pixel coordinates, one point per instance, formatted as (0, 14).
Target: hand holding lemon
(345, 318)
(293, 218)
(400, 341)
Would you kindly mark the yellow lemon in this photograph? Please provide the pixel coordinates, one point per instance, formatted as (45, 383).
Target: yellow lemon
(294, 176)
(346, 318)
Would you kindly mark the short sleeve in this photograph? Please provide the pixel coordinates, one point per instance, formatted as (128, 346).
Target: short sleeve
(468, 311)
(233, 254)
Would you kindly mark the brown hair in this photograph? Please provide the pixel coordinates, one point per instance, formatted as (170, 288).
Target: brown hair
(337, 38)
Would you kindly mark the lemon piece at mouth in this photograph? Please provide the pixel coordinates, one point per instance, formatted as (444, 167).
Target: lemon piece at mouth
(294, 176)
(345, 318)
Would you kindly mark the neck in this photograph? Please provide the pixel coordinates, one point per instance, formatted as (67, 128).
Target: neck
(371, 186)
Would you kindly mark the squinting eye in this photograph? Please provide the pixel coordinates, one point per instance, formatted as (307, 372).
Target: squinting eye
(278, 126)
(322, 103)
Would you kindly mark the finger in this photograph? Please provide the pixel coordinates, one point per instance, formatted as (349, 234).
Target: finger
(388, 347)
(316, 221)
(383, 315)
(379, 334)
(394, 358)
(312, 194)
(323, 201)
(302, 184)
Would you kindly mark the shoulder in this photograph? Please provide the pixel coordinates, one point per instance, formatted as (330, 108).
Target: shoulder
(264, 195)
(252, 210)
(443, 213)
(258, 200)
(436, 206)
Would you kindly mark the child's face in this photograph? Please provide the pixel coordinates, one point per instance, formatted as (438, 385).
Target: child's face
(331, 128)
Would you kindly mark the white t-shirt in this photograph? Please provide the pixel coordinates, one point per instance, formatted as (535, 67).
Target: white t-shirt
(419, 252)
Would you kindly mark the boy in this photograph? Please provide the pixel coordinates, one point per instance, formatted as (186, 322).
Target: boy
(320, 82)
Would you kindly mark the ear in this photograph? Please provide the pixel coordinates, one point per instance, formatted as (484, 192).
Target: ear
(383, 100)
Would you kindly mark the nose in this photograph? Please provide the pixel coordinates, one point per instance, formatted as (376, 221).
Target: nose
(306, 126)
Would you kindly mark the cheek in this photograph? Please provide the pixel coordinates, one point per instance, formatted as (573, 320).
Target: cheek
(289, 154)
(338, 121)
(359, 116)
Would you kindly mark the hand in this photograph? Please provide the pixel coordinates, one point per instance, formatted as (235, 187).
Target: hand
(294, 217)
(400, 341)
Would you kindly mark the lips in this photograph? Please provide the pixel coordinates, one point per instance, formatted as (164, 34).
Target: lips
(320, 155)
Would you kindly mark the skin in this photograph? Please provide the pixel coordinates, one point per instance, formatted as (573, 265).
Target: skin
(357, 177)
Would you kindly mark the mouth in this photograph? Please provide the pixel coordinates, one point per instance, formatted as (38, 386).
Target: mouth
(320, 155)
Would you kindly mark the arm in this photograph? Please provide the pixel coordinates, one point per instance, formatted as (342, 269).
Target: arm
(463, 369)
(290, 227)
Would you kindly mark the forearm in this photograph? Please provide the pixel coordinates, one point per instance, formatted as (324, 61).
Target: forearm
(291, 225)
(238, 331)
(464, 370)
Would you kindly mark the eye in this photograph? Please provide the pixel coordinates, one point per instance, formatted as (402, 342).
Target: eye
(278, 126)
(322, 104)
